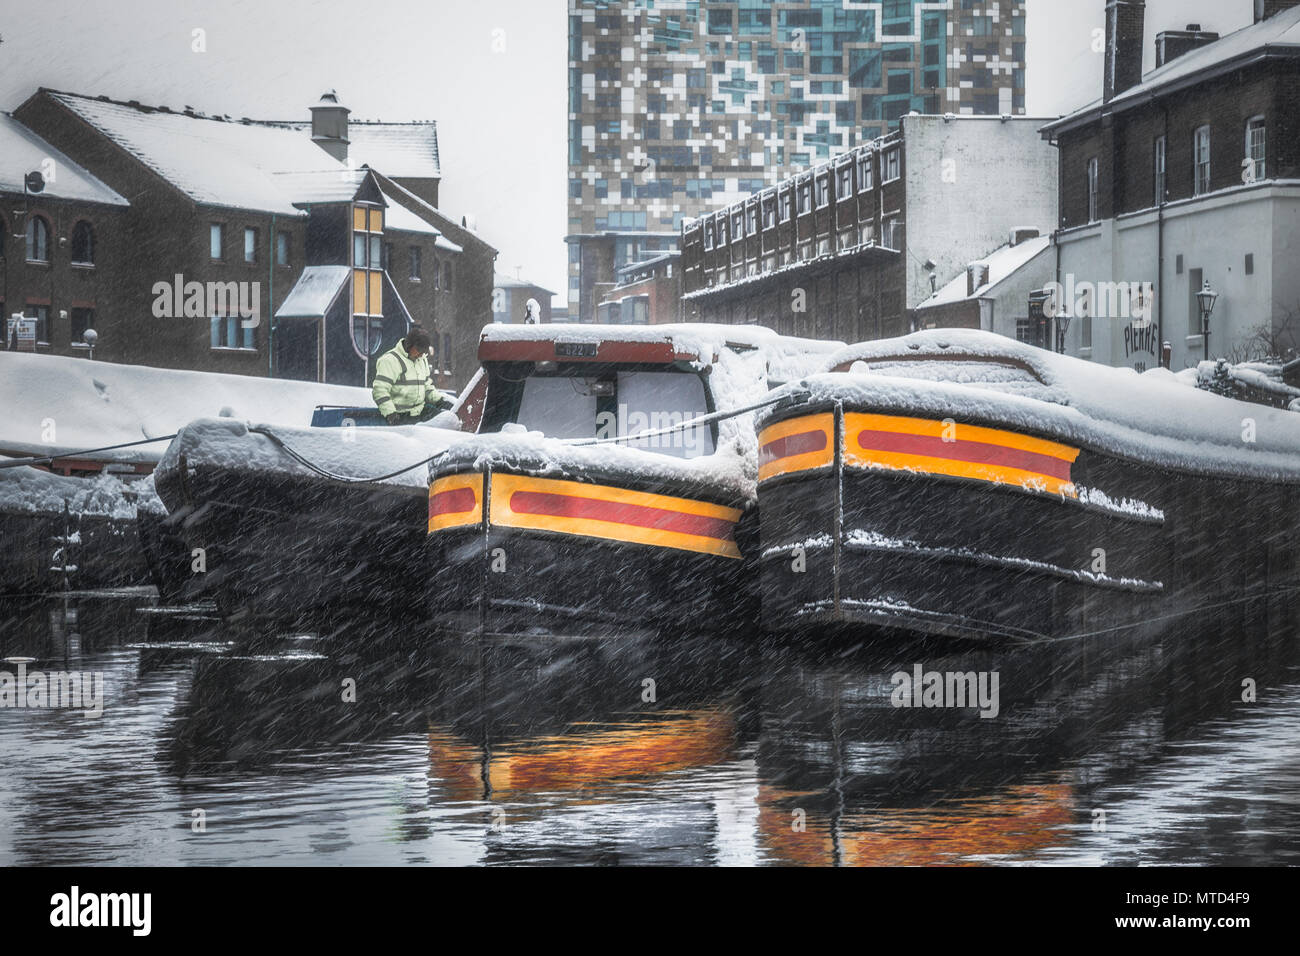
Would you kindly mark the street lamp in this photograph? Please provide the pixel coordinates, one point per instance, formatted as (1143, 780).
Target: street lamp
(90, 337)
(1205, 300)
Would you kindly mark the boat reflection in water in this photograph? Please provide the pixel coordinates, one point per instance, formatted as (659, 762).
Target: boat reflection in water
(716, 751)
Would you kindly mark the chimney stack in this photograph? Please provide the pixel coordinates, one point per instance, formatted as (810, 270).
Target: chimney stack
(1125, 21)
(1267, 8)
(329, 126)
(1171, 44)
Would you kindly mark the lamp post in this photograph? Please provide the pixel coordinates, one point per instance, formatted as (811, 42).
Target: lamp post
(1205, 300)
(90, 337)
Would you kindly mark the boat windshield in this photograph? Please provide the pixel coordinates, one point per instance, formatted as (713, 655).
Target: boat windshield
(621, 403)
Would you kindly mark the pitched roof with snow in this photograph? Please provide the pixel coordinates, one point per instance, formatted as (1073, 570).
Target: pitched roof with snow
(22, 151)
(502, 281)
(214, 162)
(1279, 35)
(1003, 263)
(400, 150)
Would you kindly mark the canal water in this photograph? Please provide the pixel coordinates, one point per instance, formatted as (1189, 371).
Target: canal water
(391, 745)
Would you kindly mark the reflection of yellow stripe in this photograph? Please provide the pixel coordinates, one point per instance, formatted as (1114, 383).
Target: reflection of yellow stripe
(824, 423)
(501, 514)
(957, 431)
(474, 482)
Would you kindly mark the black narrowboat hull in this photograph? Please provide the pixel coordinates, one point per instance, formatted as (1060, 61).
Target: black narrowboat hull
(515, 554)
(295, 548)
(979, 531)
(49, 551)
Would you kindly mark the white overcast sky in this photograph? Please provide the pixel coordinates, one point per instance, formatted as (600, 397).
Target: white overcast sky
(501, 114)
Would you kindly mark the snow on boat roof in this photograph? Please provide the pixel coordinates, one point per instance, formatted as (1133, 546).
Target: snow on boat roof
(312, 294)
(1148, 417)
(24, 151)
(367, 452)
(699, 340)
(92, 404)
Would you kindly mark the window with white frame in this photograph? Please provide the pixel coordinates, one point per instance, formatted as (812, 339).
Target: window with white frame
(890, 161)
(250, 244)
(823, 190)
(1092, 189)
(769, 212)
(787, 206)
(229, 332)
(38, 240)
(844, 185)
(805, 197)
(1158, 170)
(215, 240)
(738, 224)
(1201, 161)
(1256, 147)
(864, 171)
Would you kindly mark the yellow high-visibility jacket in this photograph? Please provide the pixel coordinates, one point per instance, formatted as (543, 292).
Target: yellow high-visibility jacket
(402, 385)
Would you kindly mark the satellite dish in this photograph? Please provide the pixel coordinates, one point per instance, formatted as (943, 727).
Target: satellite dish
(34, 181)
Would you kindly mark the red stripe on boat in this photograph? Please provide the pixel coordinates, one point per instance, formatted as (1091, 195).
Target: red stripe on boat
(800, 443)
(971, 451)
(453, 502)
(641, 516)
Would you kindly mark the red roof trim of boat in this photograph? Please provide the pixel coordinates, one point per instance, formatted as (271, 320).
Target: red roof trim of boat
(544, 350)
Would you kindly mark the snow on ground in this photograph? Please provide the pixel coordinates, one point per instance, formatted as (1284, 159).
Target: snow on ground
(76, 403)
(1148, 417)
(27, 489)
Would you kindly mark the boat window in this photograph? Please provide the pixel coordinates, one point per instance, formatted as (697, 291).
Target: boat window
(558, 406)
(648, 401)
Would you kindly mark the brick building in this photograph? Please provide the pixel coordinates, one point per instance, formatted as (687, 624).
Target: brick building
(682, 105)
(510, 297)
(1188, 175)
(646, 293)
(334, 255)
(850, 248)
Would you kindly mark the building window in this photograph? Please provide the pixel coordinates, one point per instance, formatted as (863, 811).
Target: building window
(446, 283)
(281, 248)
(1092, 189)
(708, 235)
(38, 240)
(81, 319)
(1201, 161)
(215, 239)
(787, 206)
(41, 313)
(229, 332)
(446, 353)
(738, 224)
(890, 161)
(250, 244)
(751, 214)
(83, 244)
(1158, 154)
(844, 187)
(805, 197)
(823, 190)
(769, 212)
(1256, 143)
(415, 263)
(864, 172)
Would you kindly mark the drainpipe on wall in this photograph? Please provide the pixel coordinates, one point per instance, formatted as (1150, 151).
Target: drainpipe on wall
(1160, 246)
(270, 303)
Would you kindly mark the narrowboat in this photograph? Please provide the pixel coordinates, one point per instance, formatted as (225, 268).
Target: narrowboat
(294, 525)
(958, 484)
(611, 485)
